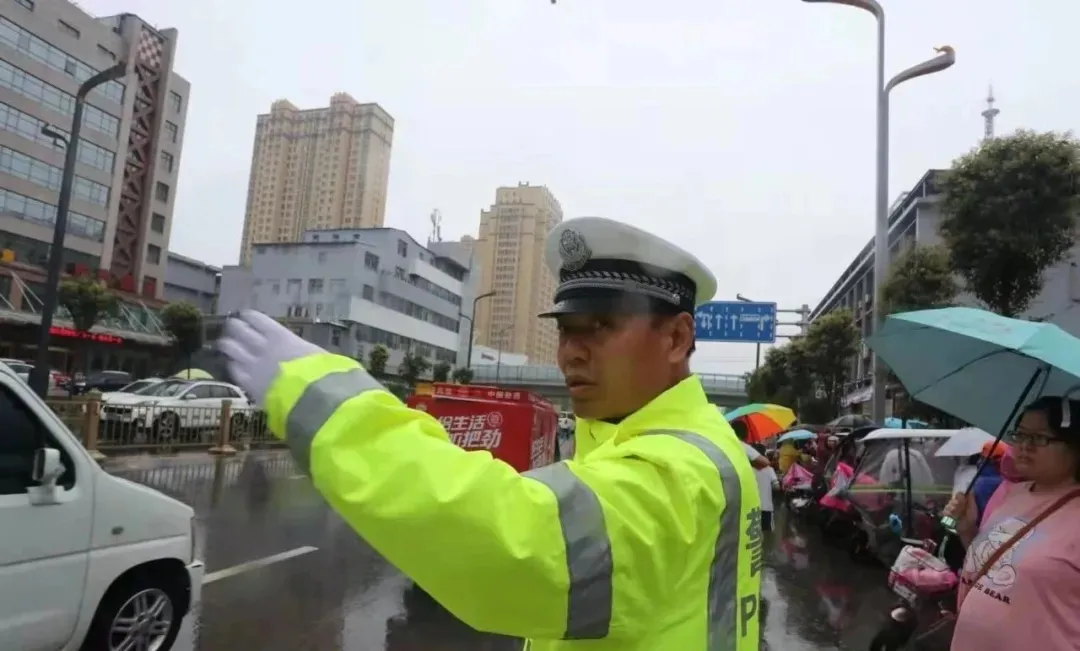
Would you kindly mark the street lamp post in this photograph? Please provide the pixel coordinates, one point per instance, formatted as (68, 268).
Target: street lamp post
(499, 335)
(945, 59)
(472, 326)
(39, 376)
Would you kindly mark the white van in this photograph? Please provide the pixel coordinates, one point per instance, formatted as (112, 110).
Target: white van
(88, 561)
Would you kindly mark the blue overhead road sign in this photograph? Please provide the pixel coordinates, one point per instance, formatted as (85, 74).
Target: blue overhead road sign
(737, 322)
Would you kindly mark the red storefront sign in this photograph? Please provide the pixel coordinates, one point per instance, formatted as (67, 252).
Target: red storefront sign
(97, 337)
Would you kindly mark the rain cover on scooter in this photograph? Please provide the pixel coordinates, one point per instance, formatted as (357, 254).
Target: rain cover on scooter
(797, 478)
(900, 487)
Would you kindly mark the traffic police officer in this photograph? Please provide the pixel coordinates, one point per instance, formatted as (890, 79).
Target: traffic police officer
(648, 540)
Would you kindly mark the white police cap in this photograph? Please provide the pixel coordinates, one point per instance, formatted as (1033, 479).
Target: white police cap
(601, 264)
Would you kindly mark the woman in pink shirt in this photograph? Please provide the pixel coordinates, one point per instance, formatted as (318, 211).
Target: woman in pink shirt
(1031, 594)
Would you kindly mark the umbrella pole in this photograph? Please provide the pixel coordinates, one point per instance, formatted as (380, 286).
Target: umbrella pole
(950, 523)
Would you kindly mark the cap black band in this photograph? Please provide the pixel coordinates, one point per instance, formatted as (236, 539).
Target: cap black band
(605, 277)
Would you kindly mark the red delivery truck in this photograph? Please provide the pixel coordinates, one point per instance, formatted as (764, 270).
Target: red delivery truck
(516, 426)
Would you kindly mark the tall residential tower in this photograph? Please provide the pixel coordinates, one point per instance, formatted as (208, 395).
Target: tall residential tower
(317, 169)
(510, 250)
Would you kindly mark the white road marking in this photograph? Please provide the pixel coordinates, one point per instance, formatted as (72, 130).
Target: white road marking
(298, 476)
(257, 564)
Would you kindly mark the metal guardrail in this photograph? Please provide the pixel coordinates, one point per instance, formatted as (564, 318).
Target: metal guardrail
(551, 375)
(105, 428)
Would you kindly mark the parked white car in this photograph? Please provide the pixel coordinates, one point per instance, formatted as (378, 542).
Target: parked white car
(173, 405)
(84, 552)
(136, 387)
(57, 380)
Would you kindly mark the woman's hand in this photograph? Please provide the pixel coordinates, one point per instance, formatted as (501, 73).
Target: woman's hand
(963, 510)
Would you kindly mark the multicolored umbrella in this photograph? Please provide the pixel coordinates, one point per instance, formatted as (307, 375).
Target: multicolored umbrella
(763, 421)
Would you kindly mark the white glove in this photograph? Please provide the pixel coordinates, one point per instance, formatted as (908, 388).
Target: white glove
(256, 346)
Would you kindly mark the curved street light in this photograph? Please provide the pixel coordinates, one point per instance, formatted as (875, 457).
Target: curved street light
(39, 376)
(472, 325)
(946, 58)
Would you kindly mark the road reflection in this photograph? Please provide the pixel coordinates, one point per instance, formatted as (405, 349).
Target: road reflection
(340, 595)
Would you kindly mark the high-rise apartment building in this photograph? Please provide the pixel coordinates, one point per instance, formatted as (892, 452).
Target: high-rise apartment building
(128, 152)
(510, 251)
(317, 169)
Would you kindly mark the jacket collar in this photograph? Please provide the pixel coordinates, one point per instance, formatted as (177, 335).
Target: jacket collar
(669, 405)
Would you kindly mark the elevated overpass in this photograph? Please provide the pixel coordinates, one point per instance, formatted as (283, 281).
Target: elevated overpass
(723, 390)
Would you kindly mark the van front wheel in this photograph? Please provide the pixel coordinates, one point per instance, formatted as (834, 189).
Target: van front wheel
(135, 614)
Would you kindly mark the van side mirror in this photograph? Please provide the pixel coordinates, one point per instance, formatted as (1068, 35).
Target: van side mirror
(46, 472)
(47, 466)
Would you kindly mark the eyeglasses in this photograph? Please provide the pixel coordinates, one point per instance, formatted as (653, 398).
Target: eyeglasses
(1032, 439)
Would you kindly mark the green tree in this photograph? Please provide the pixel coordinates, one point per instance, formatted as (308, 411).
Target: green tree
(832, 342)
(1009, 213)
(412, 368)
(784, 378)
(87, 300)
(185, 323)
(463, 375)
(376, 362)
(441, 372)
(920, 279)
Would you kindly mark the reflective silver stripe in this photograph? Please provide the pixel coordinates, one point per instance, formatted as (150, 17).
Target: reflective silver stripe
(724, 572)
(588, 552)
(317, 404)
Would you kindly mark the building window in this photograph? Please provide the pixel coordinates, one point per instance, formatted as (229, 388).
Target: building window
(32, 88)
(315, 286)
(29, 4)
(29, 127)
(369, 293)
(49, 176)
(335, 337)
(402, 248)
(176, 101)
(31, 210)
(275, 288)
(157, 222)
(399, 273)
(153, 254)
(172, 130)
(161, 191)
(68, 29)
(106, 52)
(321, 257)
(167, 161)
(55, 58)
(371, 261)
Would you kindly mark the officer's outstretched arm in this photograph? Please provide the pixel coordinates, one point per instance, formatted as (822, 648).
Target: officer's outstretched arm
(522, 555)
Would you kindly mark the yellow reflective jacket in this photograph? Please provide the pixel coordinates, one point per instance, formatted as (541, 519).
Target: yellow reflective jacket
(650, 540)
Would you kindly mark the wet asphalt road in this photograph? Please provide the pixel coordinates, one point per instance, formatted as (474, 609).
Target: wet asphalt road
(285, 574)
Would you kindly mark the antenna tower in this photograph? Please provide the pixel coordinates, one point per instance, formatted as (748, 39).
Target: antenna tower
(436, 226)
(988, 116)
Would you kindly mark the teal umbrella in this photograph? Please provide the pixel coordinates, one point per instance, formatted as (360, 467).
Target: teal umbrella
(978, 366)
(797, 435)
(899, 423)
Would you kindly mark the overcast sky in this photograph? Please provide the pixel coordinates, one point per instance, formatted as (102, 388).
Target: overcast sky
(743, 131)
